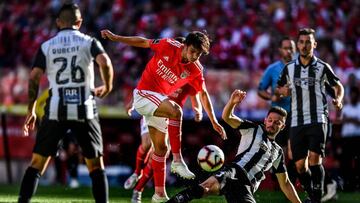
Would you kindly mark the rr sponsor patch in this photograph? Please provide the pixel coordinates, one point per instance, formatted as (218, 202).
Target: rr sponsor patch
(72, 95)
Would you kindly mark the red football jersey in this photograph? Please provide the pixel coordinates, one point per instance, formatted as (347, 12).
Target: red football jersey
(165, 73)
(180, 95)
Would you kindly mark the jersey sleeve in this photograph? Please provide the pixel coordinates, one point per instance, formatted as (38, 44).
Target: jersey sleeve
(96, 48)
(265, 80)
(246, 124)
(279, 163)
(330, 76)
(157, 44)
(198, 84)
(40, 60)
(283, 80)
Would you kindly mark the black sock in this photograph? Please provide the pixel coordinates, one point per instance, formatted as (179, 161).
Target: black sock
(193, 192)
(72, 163)
(306, 183)
(100, 187)
(29, 184)
(291, 169)
(317, 177)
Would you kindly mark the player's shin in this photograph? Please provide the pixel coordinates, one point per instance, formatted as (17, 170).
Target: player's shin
(100, 186)
(193, 192)
(317, 176)
(175, 138)
(29, 184)
(159, 167)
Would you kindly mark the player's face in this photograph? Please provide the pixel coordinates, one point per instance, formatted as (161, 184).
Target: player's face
(192, 54)
(306, 45)
(274, 123)
(287, 50)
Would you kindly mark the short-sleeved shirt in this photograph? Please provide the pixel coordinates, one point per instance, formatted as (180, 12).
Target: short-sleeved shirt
(308, 90)
(270, 79)
(180, 95)
(257, 153)
(165, 72)
(68, 60)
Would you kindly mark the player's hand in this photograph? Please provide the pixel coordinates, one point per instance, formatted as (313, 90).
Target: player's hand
(218, 128)
(338, 104)
(284, 91)
(275, 98)
(237, 96)
(102, 91)
(107, 34)
(29, 123)
(198, 115)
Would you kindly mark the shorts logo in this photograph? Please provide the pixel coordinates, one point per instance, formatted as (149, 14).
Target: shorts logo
(184, 74)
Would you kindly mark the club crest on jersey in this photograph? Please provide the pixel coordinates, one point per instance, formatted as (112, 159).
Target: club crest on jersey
(166, 58)
(184, 74)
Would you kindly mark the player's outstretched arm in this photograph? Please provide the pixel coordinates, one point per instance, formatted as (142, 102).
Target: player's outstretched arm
(129, 40)
(287, 188)
(107, 75)
(206, 102)
(34, 81)
(228, 113)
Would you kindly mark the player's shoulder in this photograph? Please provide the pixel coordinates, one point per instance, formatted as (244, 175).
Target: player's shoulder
(198, 65)
(274, 65)
(322, 63)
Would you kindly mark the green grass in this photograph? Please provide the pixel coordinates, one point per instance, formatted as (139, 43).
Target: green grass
(61, 194)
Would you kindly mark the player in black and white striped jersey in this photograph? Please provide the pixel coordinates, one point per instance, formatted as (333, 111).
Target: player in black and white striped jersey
(305, 79)
(257, 153)
(68, 61)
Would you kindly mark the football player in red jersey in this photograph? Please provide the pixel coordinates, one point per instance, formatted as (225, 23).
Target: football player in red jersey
(173, 65)
(144, 171)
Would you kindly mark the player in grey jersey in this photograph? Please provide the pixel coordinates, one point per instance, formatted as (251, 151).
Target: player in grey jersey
(257, 153)
(67, 59)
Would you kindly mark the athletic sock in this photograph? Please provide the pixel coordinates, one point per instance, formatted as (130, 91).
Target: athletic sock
(317, 177)
(100, 187)
(140, 159)
(146, 176)
(29, 184)
(291, 169)
(306, 183)
(159, 167)
(194, 192)
(175, 136)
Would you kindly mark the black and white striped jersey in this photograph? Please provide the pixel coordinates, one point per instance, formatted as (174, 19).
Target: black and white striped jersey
(308, 94)
(68, 60)
(257, 153)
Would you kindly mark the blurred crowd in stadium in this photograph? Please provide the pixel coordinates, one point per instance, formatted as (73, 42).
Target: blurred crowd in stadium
(245, 34)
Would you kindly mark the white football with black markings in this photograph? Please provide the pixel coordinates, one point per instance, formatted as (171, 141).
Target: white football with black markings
(211, 158)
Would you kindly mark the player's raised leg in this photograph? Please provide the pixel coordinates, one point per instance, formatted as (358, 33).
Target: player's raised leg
(173, 111)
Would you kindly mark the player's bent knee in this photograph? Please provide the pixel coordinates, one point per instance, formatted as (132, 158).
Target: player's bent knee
(94, 163)
(39, 162)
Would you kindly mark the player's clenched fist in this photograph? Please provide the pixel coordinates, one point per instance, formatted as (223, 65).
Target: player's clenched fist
(107, 34)
(237, 96)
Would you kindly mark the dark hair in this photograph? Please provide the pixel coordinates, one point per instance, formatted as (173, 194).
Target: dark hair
(283, 38)
(69, 13)
(180, 39)
(199, 41)
(306, 31)
(276, 109)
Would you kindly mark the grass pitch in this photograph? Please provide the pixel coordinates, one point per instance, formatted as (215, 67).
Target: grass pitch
(62, 194)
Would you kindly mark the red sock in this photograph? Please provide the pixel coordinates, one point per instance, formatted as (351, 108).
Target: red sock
(158, 164)
(140, 158)
(146, 176)
(175, 135)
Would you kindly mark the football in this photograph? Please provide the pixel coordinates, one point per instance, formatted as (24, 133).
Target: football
(211, 158)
